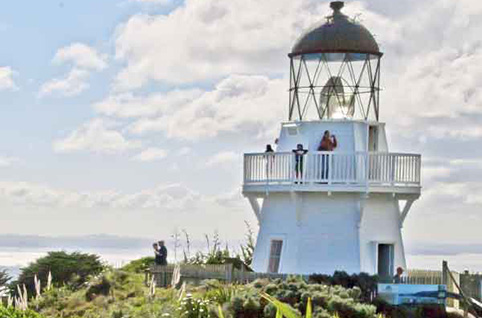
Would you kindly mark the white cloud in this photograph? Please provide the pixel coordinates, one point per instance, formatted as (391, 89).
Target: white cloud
(81, 56)
(222, 158)
(97, 135)
(128, 105)
(73, 84)
(246, 104)
(167, 197)
(7, 161)
(6, 78)
(84, 60)
(151, 154)
(184, 151)
(152, 1)
(212, 39)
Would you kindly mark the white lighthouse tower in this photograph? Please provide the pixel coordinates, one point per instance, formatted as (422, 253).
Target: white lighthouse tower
(341, 209)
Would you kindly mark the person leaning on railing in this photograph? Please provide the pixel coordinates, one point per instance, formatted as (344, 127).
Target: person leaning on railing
(328, 143)
(299, 153)
(269, 152)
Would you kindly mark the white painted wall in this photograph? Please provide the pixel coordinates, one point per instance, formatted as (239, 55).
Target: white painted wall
(380, 225)
(322, 233)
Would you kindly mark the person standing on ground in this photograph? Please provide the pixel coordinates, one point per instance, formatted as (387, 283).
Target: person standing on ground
(157, 258)
(397, 279)
(162, 253)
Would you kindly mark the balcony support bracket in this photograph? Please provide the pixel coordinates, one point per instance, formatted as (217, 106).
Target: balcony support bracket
(406, 209)
(255, 206)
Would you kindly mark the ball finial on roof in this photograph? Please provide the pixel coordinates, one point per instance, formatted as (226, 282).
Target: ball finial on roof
(339, 34)
(337, 6)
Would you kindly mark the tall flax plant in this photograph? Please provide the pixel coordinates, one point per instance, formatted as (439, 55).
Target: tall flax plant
(284, 310)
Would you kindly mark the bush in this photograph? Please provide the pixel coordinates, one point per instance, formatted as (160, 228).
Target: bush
(139, 265)
(365, 282)
(67, 269)
(4, 277)
(13, 313)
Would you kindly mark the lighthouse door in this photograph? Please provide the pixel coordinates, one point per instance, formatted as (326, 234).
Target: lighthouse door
(385, 261)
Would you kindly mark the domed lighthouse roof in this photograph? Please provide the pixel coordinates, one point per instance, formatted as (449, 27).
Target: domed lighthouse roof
(339, 34)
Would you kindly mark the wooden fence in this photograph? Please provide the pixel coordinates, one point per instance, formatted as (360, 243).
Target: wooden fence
(196, 273)
(471, 284)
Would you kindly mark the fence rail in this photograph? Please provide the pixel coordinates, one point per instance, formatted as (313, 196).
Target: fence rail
(360, 168)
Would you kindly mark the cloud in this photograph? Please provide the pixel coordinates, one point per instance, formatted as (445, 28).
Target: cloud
(151, 154)
(73, 84)
(184, 151)
(128, 105)
(202, 40)
(238, 104)
(166, 197)
(6, 79)
(152, 1)
(222, 158)
(97, 135)
(6, 161)
(81, 56)
(84, 60)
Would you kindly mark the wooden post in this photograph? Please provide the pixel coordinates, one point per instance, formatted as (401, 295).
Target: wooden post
(445, 275)
(229, 273)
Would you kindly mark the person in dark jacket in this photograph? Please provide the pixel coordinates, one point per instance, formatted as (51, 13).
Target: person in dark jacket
(299, 153)
(157, 258)
(162, 253)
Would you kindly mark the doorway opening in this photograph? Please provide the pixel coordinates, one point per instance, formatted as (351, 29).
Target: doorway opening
(275, 256)
(385, 261)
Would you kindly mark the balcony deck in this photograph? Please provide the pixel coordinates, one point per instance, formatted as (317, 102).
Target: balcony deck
(332, 172)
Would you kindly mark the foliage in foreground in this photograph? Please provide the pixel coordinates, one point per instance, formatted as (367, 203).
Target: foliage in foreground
(117, 294)
(66, 268)
(4, 277)
(14, 313)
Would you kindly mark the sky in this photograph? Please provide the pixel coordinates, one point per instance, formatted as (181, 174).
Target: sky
(129, 118)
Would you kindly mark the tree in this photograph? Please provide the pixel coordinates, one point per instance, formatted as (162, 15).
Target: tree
(4, 277)
(139, 265)
(66, 268)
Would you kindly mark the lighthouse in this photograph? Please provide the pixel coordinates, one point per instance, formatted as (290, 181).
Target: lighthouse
(332, 196)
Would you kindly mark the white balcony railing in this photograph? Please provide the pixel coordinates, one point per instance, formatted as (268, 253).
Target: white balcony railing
(361, 168)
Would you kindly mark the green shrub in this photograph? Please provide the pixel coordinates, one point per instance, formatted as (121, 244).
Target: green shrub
(139, 265)
(66, 268)
(14, 313)
(365, 282)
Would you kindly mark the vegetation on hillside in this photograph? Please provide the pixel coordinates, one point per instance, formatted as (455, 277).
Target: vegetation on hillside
(65, 268)
(11, 312)
(116, 293)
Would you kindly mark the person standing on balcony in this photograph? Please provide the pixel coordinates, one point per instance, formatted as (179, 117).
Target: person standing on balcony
(299, 153)
(328, 143)
(269, 160)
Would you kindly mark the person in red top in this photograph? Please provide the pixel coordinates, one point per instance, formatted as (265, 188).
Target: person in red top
(328, 143)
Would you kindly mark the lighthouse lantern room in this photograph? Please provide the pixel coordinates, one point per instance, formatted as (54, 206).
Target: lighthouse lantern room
(332, 196)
